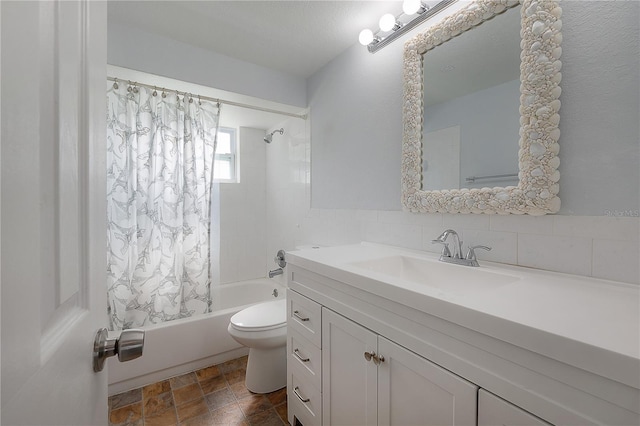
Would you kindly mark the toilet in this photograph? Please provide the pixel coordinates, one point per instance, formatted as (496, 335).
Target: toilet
(263, 329)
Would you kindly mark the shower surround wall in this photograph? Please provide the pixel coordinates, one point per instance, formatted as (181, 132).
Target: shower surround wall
(288, 187)
(243, 224)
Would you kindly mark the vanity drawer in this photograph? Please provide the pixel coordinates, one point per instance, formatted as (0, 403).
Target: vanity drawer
(304, 317)
(304, 401)
(305, 358)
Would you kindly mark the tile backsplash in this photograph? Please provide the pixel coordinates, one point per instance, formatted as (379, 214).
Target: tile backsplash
(601, 247)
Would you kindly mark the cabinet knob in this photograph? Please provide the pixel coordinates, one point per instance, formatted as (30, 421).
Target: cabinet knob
(377, 359)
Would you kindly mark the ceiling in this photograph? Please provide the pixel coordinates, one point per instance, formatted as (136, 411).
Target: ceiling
(296, 37)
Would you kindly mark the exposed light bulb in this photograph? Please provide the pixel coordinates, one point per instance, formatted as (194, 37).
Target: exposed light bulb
(410, 7)
(387, 22)
(365, 37)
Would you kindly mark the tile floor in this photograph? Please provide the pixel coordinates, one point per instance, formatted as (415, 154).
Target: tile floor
(215, 395)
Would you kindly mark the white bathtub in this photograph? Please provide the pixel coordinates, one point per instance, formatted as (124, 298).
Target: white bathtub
(180, 346)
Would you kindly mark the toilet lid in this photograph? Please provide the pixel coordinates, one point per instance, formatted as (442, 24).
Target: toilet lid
(263, 316)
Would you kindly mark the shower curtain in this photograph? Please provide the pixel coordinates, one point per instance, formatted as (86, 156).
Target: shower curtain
(160, 149)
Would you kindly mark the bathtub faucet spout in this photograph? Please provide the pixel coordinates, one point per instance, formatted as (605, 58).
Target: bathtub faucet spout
(275, 272)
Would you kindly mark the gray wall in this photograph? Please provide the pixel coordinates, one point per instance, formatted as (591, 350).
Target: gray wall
(356, 118)
(356, 130)
(135, 49)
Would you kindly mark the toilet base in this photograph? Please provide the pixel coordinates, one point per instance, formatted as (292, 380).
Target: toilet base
(266, 369)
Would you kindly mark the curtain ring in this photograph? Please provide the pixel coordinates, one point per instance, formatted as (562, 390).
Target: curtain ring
(135, 87)
(199, 100)
(115, 84)
(164, 95)
(190, 98)
(155, 91)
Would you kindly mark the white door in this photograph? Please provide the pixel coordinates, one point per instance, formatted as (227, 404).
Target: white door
(349, 381)
(415, 391)
(53, 225)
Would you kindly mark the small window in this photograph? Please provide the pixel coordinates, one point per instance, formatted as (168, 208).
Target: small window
(225, 168)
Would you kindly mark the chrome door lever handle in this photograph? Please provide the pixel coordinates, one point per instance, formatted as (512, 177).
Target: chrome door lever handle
(128, 346)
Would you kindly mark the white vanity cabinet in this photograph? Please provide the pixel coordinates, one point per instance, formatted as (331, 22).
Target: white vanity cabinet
(390, 385)
(494, 411)
(434, 358)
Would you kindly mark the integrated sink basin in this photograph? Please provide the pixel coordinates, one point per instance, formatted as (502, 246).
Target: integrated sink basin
(447, 277)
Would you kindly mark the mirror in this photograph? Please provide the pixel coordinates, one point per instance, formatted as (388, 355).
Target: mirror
(481, 106)
(471, 96)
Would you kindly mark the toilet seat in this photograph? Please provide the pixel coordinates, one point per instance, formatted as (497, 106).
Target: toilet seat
(261, 317)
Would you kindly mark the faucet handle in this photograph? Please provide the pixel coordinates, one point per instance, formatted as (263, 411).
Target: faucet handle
(445, 248)
(280, 259)
(471, 254)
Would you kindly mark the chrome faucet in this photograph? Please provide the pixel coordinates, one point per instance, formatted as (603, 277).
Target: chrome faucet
(446, 256)
(457, 248)
(281, 262)
(275, 272)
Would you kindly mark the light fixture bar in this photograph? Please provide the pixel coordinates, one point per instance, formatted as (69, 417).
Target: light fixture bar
(374, 46)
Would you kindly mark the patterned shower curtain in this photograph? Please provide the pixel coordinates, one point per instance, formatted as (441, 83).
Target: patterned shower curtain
(160, 149)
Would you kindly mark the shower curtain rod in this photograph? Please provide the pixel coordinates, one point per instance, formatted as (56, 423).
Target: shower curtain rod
(207, 98)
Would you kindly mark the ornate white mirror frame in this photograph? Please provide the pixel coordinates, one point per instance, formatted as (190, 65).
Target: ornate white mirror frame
(536, 193)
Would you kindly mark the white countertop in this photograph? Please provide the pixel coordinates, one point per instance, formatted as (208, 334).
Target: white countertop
(589, 323)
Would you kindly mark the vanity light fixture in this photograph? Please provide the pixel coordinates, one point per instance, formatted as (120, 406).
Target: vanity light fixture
(411, 7)
(387, 22)
(414, 13)
(366, 37)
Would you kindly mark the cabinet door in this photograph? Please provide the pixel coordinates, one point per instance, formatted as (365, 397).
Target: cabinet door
(414, 391)
(349, 381)
(494, 411)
